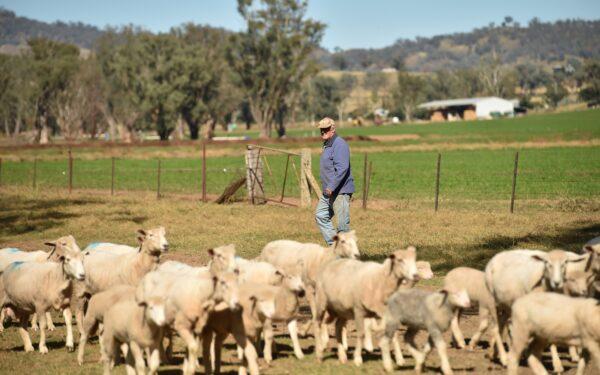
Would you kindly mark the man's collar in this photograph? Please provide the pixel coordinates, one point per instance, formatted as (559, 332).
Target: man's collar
(329, 142)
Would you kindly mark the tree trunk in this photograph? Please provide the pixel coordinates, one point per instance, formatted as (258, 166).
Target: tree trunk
(6, 128)
(17, 129)
(43, 131)
(194, 129)
(112, 126)
(125, 133)
(179, 132)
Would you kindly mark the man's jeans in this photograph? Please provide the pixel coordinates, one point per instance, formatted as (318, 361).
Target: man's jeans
(326, 211)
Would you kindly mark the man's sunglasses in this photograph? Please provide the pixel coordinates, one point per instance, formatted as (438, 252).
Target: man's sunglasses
(325, 130)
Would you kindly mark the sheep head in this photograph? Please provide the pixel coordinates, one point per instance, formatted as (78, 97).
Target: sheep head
(222, 259)
(345, 245)
(226, 289)
(66, 251)
(151, 294)
(555, 266)
(593, 252)
(402, 264)
(457, 298)
(153, 241)
(262, 305)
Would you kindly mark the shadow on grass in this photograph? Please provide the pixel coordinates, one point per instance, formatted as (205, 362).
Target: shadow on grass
(476, 255)
(21, 216)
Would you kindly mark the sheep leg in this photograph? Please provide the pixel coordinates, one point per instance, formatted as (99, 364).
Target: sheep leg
(218, 349)
(138, 355)
(593, 348)
(384, 345)
(574, 353)
(207, 338)
(318, 322)
(108, 350)
(154, 360)
(440, 345)
(344, 336)
(166, 354)
(367, 324)
(484, 322)
(189, 363)
(2, 317)
(341, 351)
(397, 350)
(42, 322)
(359, 319)
(534, 359)
(293, 330)
(49, 322)
(23, 322)
(497, 337)
(250, 356)
(519, 342)
(89, 326)
(409, 339)
(34, 322)
(556, 364)
(130, 364)
(268, 333)
(581, 363)
(457, 335)
(310, 298)
(69, 323)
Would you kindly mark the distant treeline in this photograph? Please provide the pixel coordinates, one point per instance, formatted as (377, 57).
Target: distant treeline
(537, 42)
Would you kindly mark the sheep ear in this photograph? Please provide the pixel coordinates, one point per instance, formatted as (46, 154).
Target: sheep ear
(253, 301)
(53, 244)
(335, 238)
(576, 260)
(588, 249)
(141, 235)
(538, 258)
(208, 305)
(444, 292)
(211, 252)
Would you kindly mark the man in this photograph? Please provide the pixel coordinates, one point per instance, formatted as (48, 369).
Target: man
(337, 181)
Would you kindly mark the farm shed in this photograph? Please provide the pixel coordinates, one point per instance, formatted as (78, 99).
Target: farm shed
(468, 108)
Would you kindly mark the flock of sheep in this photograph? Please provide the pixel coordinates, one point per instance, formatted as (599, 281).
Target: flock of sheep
(138, 304)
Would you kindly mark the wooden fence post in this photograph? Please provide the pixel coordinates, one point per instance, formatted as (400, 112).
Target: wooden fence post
(369, 172)
(0, 171)
(158, 181)
(254, 176)
(514, 183)
(70, 171)
(112, 176)
(437, 181)
(305, 162)
(287, 164)
(34, 177)
(365, 172)
(203, 171)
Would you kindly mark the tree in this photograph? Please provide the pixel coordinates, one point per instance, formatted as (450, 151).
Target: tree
(495, 78)
(410, 90)
(273, 55)
(17, 103)
(345, 86)
(591, 80)
(555, 92)
(323, 97)
(53, 65)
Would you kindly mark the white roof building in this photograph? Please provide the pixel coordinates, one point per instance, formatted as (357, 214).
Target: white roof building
(483, 107)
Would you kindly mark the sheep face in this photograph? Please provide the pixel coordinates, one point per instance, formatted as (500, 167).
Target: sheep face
(227, 290)
(153, 240)
(345, 245)
(424, 270)
(403, 264)
(459, 299)
(222, 259)
(264, 307)
(73, 265)
(555, 267)
(295, 284)
(63, 245)
(594, 254)
(150, 295)
(577, 284)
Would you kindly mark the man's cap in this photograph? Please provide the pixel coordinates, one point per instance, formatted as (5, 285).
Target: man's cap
(325, 123)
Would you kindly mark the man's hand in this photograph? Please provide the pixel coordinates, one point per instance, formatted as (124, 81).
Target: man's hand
(328, 192)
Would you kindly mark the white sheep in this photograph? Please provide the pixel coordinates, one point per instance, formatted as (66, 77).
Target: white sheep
(257, 305)
(514, 273)
(539, 319)
(421, 310)
(286, 255)
(39, 286)
(351, 289)
(137, 322)
(473, 282)
(222, 258)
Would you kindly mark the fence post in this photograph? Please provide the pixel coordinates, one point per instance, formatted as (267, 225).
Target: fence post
(437, 181)
(368, 185)
(203, 171)
(514, 183)
(364, 197)
(158, 181)
(0, 171)
(254, 176)
(112, 176)
(304, 184)
(70, 171)
(34, 177)
(287, 164)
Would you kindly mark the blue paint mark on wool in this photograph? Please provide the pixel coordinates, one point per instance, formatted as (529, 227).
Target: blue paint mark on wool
(11, 250)
(15, 265)
(94, 245)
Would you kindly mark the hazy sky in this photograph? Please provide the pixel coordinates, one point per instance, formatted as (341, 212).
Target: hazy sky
(350, 23)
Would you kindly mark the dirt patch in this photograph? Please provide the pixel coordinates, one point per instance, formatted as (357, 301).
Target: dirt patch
(394, 137)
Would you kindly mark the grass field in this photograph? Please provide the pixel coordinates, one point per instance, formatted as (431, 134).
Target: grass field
(558, 206)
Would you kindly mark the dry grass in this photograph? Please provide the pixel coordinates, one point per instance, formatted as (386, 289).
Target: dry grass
(447, 239)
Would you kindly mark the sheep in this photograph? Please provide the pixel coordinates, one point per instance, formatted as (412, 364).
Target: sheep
(351, 289)
(99, 303)
(105, 270)
(137, 321)
(9, 255)
(418, 310)
(542, 318)
(222, 258)
(190, 300)
(514, 273)
(473, 281)
(425, 273)
(285, 255)
(257, 305)
(38, 286)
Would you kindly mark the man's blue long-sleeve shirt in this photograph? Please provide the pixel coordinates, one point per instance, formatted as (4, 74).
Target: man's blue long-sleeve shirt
(336, 174)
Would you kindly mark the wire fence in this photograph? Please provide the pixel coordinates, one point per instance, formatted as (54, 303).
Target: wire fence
(463, 178)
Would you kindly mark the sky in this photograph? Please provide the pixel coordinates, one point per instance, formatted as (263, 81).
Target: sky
(350, 23)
